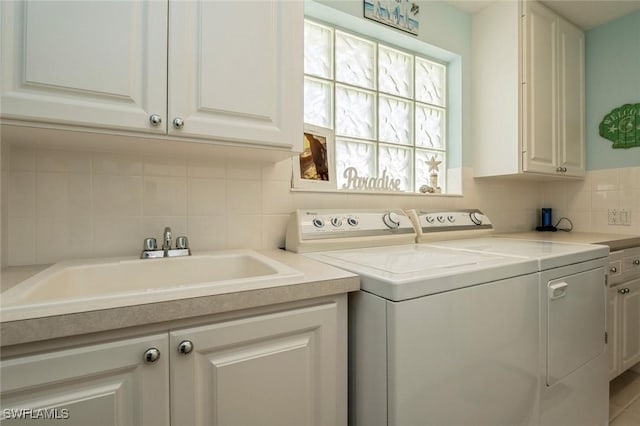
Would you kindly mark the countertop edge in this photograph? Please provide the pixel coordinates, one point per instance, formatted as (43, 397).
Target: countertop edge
(318, 280)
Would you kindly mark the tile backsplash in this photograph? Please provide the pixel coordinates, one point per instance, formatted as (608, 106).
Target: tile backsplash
(69, 204)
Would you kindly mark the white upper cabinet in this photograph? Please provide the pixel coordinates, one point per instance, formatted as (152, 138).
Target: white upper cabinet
(235, 70)
(210, 71)
(528, 92)
(97, 64)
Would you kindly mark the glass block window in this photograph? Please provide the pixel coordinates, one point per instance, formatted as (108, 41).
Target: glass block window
(387, 107)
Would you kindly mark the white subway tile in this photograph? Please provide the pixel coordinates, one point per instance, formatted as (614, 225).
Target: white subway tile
(22, 159)
(164, 196)
(63, 161)
(207, 232)
(203, 169)
(21, 196)
(601, 201)
(281, 170)
(164, 167)
(244, 197)
(274, 229)
(276, 198)
(604, 180)
(244, 231)
(63, 237)
(244, 170)
(114, 164)
(117, 236)
(117, 195)
(63, 194)
(207, 197)
(21, 244)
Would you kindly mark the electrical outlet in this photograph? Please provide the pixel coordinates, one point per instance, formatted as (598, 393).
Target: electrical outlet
(624, 217)
(620, 217)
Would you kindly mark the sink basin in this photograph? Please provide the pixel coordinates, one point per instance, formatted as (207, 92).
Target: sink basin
(95, 280)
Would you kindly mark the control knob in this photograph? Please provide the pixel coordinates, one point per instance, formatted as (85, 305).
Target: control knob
(352, 221)
(476, 217)
(429, 219)
(336, 221)
(318, 222)
(391, 219)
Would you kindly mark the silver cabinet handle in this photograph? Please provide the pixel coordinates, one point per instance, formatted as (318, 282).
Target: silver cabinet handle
(636, 262)
(185, 347)
(151, 355)
(613, 270)
(178, 123)
(155, 120)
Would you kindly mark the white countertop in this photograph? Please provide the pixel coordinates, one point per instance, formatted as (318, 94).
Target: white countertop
(316, 280)
(614, 241)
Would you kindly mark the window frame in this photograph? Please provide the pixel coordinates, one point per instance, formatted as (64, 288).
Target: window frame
(378, 143)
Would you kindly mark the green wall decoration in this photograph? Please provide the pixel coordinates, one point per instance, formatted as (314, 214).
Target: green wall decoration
(622, 126)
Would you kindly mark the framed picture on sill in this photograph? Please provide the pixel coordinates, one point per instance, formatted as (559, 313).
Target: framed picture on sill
(314, 168)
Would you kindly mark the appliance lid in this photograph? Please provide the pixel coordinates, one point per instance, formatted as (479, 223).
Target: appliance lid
(409, 271)
(547, 254)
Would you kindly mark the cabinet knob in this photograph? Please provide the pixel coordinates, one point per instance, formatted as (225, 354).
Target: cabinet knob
(558, 169)
(151, 355)
(636, 262)
(624, 291)
(155, 120)
(185, 347)
(613, 269)
(178, 123)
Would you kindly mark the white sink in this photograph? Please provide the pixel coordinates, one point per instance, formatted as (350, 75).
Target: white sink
(92, 281)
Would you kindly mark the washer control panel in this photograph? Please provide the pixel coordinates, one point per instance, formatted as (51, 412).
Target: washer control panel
(313, 230)
(449, 224)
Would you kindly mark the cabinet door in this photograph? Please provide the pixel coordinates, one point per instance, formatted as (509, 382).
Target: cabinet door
(272, 369)
(613, 329)
(235, 71)
(540, 90)
(630, 324)
(571, 99)
(100, 385)
(96, 63)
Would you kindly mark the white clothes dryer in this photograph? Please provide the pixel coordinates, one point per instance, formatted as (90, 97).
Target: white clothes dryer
(572, 291)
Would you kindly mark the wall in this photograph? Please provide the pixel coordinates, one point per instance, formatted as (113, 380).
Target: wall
(612, 56)
(76, 204)
(68, 204)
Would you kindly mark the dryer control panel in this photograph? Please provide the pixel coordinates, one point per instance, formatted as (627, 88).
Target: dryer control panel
(317, 230)
(437, 225)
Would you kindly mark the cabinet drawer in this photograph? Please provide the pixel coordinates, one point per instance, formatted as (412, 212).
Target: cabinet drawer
(614, 270)
(631, 265)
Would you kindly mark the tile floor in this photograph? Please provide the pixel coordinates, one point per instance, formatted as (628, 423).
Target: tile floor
(624, 400)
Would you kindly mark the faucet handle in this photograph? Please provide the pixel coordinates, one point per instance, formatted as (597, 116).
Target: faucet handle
(182, 242)
(150, 244)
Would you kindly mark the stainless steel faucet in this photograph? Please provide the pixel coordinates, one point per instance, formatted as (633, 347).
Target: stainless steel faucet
(151, 251)
(166, 239)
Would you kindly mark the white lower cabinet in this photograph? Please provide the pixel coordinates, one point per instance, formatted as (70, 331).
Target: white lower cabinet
(276, 368)
(624, 312)
(99, 385)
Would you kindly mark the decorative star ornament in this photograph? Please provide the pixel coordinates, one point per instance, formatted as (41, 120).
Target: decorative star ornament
(433, 164)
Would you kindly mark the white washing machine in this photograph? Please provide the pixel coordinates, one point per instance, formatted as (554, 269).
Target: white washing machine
(437, 336)
(574, 385)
